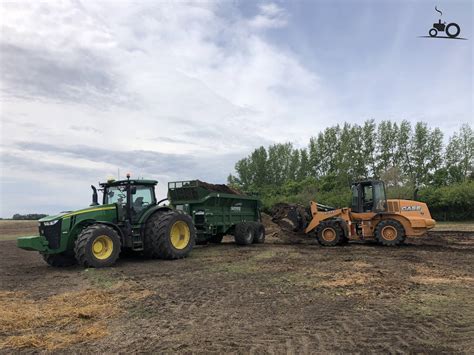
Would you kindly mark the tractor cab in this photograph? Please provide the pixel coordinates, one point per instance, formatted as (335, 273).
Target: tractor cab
(368, 196)
(133, 197)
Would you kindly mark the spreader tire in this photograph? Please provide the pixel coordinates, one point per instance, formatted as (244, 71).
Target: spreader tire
(172, 236)
(258, 233)
(216, 239)
(97, 246)
(244, 233)
(329, 233)
(390, 232)
(60, 260)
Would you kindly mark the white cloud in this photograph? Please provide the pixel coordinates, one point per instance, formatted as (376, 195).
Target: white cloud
(270, 16)
(167, 78)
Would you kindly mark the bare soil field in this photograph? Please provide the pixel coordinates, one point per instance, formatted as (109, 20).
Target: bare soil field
(286, 296)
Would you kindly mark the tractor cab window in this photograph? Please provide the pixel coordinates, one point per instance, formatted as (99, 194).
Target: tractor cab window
(115, 194)
(142, 197)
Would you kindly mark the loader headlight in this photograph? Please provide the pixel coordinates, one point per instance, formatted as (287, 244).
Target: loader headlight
(51, 223)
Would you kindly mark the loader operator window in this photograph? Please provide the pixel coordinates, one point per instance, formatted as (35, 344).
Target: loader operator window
(380, 200)
(368, 198)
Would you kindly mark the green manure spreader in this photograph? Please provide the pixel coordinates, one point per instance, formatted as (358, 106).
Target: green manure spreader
(218, 210)
(130, 219)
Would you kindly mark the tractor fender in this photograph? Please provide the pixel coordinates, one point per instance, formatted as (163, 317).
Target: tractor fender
(88, 222)
(150, 212)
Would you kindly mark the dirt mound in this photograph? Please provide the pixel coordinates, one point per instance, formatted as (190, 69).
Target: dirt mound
(219, 188)
(279, 234)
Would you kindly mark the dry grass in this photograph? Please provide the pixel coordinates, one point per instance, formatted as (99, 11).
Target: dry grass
(61, 320)
(428, 276)
(10, 229)
(454, 227)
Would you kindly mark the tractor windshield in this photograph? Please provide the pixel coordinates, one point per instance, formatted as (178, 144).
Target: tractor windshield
(115, 194)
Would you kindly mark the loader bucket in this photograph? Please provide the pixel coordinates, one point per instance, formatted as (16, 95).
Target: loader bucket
(290, 217)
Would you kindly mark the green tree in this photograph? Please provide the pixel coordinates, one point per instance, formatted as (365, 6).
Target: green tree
(460, 154)
(369, 139)
(304, 170)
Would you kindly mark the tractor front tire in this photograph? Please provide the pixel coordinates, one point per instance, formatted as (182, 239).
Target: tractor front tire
(390, 232)
(244, 233)
(60, 260)
(258, 233)
(330, 233)
(172, 235)
(97, 246)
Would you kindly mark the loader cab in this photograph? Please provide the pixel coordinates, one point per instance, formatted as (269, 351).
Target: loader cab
(133, 197)
(368, 196)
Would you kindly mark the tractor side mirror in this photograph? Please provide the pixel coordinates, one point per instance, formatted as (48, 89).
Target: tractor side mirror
(133, 190)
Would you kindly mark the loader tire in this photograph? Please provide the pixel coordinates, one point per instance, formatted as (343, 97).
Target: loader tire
(258, 233)
(390, 232)
(244, 233)
(97, 246)
(172, 236)
(60, 260)
(216, 239)
(329, 233)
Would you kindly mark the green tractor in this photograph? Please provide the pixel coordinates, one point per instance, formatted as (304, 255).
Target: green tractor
(130, 219)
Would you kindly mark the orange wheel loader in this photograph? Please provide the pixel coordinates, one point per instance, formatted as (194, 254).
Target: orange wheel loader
(371, 216)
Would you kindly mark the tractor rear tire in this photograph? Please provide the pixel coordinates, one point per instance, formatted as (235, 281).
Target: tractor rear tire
(172, 236)
(59, 260)
(244, 233)
(330, 233)
(390, 232)
(150, 232)
(97, 246)
(216, 239)
(258, 233)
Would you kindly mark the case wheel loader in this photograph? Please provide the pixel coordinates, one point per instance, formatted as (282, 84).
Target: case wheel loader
(371, 216)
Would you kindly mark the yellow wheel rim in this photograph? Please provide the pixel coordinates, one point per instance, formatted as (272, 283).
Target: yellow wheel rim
(329, 234)
(180, 235)
(389, 233)
(102, 247)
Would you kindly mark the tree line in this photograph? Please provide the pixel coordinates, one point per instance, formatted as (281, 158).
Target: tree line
(413, 161)
(30, 216)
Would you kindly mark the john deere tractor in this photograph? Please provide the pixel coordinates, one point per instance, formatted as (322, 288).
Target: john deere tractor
(130, 219)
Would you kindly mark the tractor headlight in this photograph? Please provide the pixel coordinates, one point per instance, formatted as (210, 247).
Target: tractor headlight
(51, 223)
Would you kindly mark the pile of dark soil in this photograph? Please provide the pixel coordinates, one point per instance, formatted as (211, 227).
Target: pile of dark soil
(279, 233)
(219, 188)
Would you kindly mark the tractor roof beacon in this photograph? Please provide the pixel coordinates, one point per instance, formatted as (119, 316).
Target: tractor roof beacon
(130, 218)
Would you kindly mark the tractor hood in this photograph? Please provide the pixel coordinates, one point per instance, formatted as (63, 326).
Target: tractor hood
(78, 212)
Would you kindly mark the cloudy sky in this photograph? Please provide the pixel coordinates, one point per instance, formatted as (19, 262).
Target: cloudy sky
(181, 90)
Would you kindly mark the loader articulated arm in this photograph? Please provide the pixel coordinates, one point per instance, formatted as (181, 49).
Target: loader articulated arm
(318, 216)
